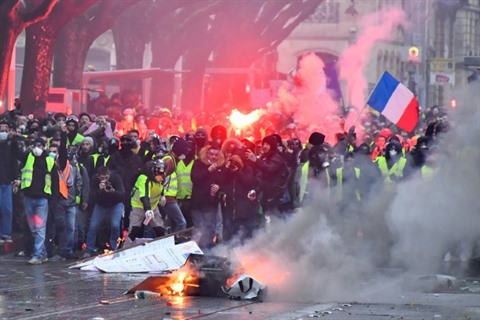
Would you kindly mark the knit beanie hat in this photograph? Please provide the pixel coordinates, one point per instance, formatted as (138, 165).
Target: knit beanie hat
(90, 141)
(316, 138)
(180, 147)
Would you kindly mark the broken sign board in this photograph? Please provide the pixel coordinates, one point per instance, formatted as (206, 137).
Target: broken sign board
(156, 256)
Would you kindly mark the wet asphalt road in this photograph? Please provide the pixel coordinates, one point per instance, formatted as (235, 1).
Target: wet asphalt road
(52, 291)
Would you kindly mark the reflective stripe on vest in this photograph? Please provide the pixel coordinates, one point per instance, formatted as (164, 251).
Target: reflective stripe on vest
(184, 180)
(396, 169)
(78, 139)
(303, 181)
(95, 158)
(170, 186)
(63, 177)
(146, 188)
(27, 173)
(339, 174)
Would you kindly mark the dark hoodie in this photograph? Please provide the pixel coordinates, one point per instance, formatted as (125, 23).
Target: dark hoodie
(274, 174)
(201, 138)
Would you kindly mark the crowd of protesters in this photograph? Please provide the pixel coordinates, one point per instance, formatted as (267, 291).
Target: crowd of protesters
(98, 180)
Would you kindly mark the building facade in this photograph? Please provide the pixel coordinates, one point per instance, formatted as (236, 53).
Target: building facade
(442, 31)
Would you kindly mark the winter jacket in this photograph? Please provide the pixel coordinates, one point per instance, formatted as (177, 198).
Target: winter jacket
(103, 198)
(236, 187)
(8, 163)
(274, 178)
(202, 179)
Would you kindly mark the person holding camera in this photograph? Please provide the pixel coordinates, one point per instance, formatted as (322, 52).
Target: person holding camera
(146, 195)
(106, 196)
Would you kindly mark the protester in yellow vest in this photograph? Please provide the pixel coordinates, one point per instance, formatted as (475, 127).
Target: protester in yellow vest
(393, 165)
(146, 195)
(39, 179)
(169, 203)
(73, 136)
(184, 170)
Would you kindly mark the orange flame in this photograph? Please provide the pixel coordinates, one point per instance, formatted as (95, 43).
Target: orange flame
(180, 280)
(240, 120)
(261, 268)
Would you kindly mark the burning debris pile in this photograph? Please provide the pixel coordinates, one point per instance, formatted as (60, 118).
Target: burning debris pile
(185, 271)
(202, 275)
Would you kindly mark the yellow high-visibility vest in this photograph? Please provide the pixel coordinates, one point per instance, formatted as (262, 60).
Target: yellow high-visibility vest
(184, 180)
(339, 174)
(146, 188)
(27, 173)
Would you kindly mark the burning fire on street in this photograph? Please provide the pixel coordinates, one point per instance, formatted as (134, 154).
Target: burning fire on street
(180, 281)
(202, 276)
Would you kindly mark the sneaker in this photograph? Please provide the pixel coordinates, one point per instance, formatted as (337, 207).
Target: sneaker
(21, 254)
(35, 261)
(56, 258)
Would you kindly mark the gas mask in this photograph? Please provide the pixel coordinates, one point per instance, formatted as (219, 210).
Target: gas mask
(71, 155)
(37, 151)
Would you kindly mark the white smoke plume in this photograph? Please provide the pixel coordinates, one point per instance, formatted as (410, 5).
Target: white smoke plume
(376, 27)
(311, 102)
(317, 254)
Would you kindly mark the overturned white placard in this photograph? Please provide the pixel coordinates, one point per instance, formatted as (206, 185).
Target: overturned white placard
(245, 288)
(156, 256)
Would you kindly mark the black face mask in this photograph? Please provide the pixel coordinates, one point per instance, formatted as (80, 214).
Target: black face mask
(201, 141)
(128, 145)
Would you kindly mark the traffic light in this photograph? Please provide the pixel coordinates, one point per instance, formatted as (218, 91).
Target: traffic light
(453, 104)
(413, 54)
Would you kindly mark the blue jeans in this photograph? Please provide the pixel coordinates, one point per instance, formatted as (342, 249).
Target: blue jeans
(36, 211)
(114, 214)
(81, 222)
(6, 211)
(176, 216)
(70, 214)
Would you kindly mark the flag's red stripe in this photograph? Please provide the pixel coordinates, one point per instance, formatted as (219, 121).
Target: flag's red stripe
(409, 118)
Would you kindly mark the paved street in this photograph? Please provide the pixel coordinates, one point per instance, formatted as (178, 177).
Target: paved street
(52, 291)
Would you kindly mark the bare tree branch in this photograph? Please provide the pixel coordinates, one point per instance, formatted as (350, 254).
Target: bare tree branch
(39, 13)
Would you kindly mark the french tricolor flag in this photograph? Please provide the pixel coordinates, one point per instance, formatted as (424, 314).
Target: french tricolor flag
(395, 101)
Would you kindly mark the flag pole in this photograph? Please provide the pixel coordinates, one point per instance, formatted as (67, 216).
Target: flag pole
(365, 105)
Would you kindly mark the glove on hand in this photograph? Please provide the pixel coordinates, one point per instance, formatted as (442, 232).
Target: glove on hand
(148, 217)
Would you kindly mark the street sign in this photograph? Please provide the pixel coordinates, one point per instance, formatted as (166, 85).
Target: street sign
(441, 65)
(442, 78)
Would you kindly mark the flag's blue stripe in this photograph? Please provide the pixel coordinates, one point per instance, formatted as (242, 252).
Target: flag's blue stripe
(382, 92)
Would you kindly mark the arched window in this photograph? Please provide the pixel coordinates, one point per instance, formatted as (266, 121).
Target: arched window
(99, 59)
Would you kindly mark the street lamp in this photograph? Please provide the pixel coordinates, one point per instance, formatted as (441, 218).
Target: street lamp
(411, 69)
